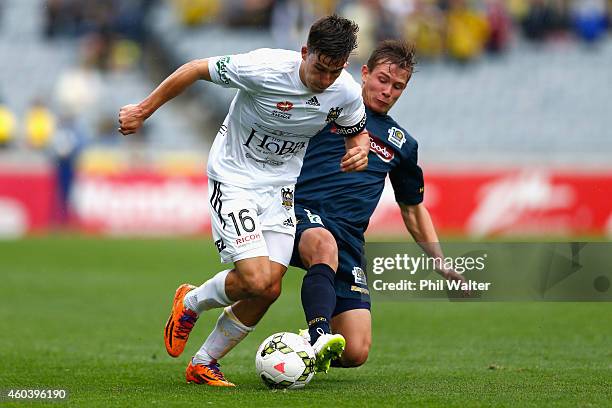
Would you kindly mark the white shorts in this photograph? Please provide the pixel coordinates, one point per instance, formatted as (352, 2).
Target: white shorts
(247, 223)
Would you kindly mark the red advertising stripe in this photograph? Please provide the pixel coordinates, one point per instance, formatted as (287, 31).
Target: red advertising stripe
(533, 201)
(142, 203)
(27, 201)
(477, 203)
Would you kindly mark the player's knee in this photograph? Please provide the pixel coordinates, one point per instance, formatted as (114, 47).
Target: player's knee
(355, 357)
(328, 253)
(266, 294)
(254, 286)
(263, 286)
(319, 246)
(356, 353)
(272, 292)
(254, 278)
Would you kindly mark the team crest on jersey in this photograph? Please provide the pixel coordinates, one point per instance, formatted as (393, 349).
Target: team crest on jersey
(396, 137)
(287, 197)
(360, 276)
(333, 114)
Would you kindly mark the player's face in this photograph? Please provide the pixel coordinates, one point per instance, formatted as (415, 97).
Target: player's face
(383, 86)
(319, 72)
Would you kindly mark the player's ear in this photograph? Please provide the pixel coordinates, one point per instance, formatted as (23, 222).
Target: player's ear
(364, 72)
(304, 52)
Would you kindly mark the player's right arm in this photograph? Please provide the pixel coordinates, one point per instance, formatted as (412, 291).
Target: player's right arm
(352, 125)
(131, 117)
(241, 71)
(357, 149)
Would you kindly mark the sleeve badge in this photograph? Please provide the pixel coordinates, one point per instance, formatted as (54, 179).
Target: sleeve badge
(396, 137)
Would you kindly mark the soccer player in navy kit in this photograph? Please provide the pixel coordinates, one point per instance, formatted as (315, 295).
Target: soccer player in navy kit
(333, 210)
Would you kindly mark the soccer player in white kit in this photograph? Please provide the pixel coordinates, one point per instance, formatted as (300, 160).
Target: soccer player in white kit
(284, 98)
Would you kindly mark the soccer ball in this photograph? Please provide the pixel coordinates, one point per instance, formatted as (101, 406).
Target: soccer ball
(285, 360)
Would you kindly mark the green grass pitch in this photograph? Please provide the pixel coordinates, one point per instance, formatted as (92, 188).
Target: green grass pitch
(87, 314)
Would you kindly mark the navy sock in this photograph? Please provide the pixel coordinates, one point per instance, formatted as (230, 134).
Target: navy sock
(318, 299)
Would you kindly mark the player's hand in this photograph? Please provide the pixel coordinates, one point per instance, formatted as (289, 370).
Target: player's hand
(131, 118)
(355, 159)
(452, 275)
(357, 149)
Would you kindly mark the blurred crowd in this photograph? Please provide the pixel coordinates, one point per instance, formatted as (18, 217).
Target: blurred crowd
(109, 36)
(113, 30)
(458, 29)
(112, 34)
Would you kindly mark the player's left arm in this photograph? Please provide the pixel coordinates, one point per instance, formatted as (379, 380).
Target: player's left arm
(419, 224)
(408, 186)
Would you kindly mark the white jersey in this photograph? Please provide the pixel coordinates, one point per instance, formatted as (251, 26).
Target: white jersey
(264, 136)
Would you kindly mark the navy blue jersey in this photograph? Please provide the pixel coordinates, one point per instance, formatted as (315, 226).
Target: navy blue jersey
(352, 197)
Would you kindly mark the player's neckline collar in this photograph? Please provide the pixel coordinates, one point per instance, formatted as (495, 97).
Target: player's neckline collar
(371, 112)
(298, 80)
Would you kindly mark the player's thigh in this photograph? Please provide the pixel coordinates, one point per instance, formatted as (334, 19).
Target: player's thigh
(356, 327)
(236, 225)
(275, 223)
(278, 221)
(277, 209)
(279, 247)
(268, 271)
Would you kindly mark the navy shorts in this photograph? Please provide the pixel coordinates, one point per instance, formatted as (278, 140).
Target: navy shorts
(351, 284)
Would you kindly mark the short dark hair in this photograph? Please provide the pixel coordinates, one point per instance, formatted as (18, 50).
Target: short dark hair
(394, 52)
(333, 37)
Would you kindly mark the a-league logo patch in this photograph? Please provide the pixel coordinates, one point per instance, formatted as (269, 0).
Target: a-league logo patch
(396, 137)
(333, 114)
(360, 276)
(287, 198)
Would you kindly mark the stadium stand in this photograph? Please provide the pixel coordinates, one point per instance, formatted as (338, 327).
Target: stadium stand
(35, 65)
(538, 103)
(30, 67)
